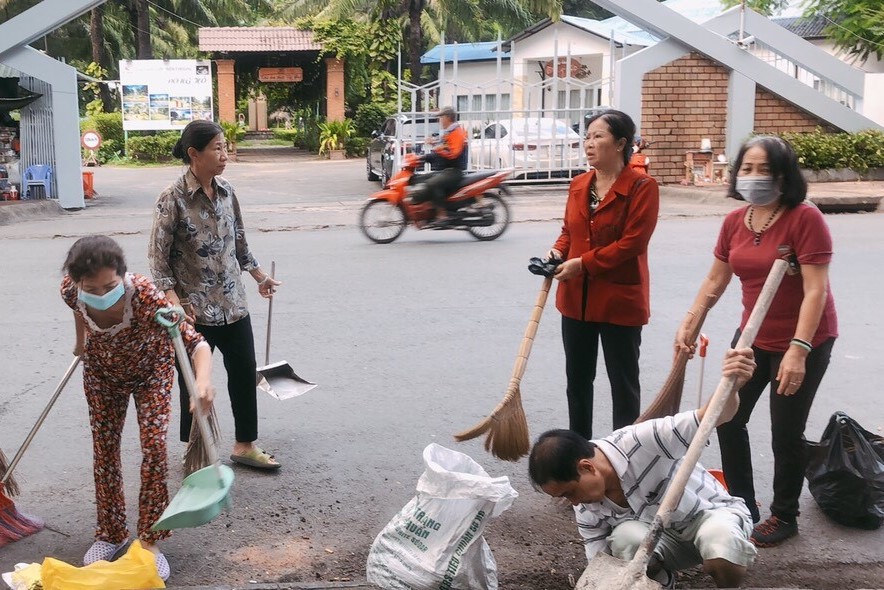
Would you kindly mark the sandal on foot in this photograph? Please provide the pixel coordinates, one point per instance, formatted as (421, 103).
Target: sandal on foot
(163, 569)
(256, 458)
(103, 551)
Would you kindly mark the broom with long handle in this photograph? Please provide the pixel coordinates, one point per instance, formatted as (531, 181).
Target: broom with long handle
(668, 401)
(506, 426)
(13, 524)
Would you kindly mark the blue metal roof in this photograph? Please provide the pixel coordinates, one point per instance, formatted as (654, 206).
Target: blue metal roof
(485, 51)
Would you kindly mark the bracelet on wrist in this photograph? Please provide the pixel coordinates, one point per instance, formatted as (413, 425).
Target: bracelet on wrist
(691, 313)
(264, 280)
(801, 344)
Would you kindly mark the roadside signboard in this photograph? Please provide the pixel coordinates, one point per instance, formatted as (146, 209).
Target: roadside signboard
(162, 94)
(280, 74)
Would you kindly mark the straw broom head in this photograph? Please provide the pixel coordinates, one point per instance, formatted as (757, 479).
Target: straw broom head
(10, 484)
(506, 426)
(15, 525)
(668, 401)
(196, 456)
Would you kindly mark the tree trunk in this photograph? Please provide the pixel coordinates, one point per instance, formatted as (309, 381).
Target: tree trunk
(415, 44)
(139, 15)
(99, 55)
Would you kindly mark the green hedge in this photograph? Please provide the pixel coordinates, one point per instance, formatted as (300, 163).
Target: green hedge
(152, 148)
(820, 150)
(356, 147)
(290, 135)
(370, 116)
(110, 127)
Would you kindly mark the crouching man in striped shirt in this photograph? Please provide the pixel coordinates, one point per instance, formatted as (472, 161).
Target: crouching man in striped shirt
(616, 484)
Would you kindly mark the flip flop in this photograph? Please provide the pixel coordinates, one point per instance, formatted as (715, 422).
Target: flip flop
(103, 551)
(257, 458)
(163, 569)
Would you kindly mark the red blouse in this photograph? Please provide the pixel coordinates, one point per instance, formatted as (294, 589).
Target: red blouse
(612, 242)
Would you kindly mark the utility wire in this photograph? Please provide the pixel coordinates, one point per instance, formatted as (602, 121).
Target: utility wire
(178, 16)
(852, 33)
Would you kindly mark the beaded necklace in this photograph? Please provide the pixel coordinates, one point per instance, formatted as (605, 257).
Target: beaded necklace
(766, 225)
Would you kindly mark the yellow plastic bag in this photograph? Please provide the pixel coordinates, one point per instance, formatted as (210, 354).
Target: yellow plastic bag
(137, 569)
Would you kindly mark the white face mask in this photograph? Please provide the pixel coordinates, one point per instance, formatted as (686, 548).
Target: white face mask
(758, 190)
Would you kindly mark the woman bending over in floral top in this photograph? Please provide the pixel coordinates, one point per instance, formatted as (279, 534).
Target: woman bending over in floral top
(197, 253)
(126, 352)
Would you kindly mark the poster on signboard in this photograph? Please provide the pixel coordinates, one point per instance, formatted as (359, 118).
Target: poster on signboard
(163, 94)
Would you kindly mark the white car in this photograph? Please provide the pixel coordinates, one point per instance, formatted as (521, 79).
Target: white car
(536, 148)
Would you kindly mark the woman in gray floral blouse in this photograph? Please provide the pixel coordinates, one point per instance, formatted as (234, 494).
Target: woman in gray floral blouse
(197, 254)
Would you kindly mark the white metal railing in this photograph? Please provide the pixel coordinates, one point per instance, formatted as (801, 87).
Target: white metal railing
(821, 84)
(536, 128)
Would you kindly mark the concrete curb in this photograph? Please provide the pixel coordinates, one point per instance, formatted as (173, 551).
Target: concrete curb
(12, 212)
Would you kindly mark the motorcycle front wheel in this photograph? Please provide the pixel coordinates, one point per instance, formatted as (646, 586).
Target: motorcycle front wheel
(382, 221)
(501, 221)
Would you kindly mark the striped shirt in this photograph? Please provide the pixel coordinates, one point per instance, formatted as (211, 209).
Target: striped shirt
(645, 457)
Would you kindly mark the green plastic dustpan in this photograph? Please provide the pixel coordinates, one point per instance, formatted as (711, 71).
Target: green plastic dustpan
(204, 493)
(202, 497)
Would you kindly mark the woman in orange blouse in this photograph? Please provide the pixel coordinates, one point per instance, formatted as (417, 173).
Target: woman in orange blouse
(603, 293)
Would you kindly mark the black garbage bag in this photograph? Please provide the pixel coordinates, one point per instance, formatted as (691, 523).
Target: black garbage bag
(845, 473)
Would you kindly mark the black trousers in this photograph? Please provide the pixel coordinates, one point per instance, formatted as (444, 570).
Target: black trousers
(237, 346)
(788, 418)
(620, 345)
(442, 184)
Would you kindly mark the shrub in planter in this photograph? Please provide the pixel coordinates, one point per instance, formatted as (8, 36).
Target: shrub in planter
(333, 135)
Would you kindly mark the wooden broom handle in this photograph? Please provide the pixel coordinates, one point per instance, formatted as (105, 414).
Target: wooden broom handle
(713, 411)
(530, 332)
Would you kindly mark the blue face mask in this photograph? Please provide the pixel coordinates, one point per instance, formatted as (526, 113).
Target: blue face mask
(102, 302)
(758, 190)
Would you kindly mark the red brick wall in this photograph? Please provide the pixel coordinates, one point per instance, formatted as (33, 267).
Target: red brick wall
(686, 101)
(683, 102)
(774, 115)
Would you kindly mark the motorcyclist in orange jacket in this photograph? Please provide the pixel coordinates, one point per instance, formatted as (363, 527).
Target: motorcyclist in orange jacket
(449, 155)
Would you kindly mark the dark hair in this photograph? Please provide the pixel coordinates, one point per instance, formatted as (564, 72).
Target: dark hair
(196, 135)
(90, 254)
(783, 164)
(555, 456)
(621, 126)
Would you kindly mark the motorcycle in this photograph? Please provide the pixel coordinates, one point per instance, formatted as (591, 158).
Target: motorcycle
(478, 205)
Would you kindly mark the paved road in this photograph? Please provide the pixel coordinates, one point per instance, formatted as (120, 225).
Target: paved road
(410, 342)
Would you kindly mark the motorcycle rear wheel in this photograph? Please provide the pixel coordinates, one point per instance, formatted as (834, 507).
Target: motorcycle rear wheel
(501, 213)
(382, 221)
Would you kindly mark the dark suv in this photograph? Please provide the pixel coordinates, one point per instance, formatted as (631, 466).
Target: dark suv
(399, 135)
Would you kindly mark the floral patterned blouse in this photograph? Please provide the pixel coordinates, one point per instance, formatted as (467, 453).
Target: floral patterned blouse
(131, 351)
(198, 248)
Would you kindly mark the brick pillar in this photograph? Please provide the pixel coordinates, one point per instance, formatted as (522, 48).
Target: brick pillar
(334, 89)
(226, 89)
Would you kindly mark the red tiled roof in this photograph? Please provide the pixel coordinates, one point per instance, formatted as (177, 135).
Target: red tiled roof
(233, 39)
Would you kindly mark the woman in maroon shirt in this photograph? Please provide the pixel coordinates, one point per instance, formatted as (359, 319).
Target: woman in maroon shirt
(795, 342)
(603, 293)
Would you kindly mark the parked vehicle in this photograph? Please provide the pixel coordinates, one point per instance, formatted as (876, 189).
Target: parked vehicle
(536, 148)
(478, 206)
(398, 136)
